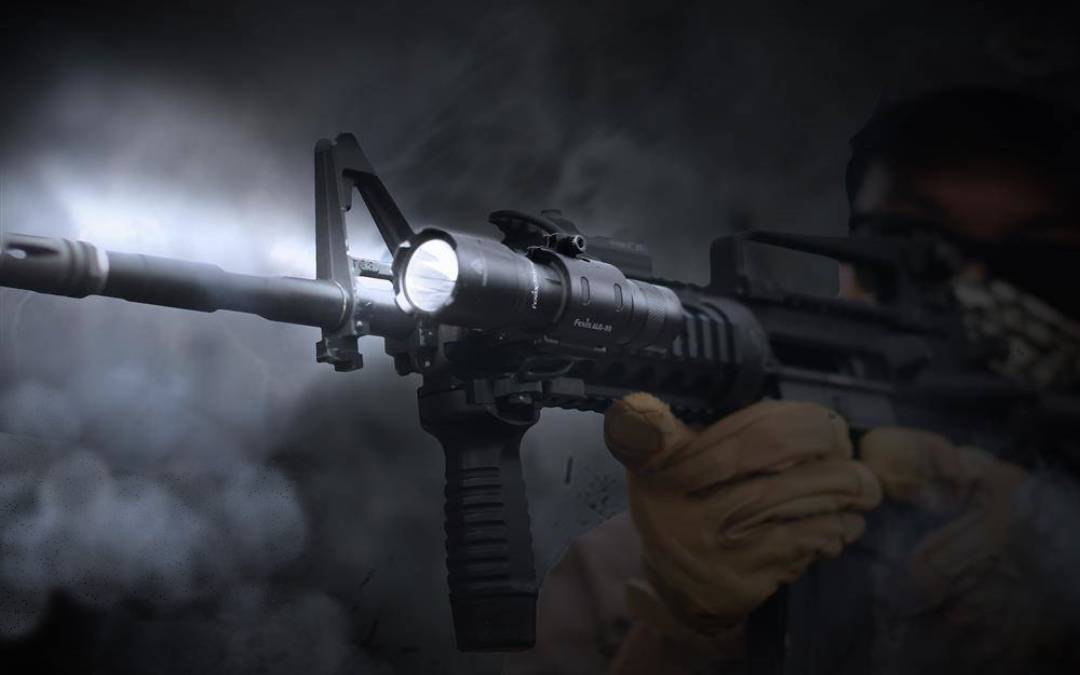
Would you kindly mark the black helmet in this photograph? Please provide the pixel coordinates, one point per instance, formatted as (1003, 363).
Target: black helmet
(956, 125)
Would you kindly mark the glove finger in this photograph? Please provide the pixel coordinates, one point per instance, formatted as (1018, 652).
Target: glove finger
(786, 549)
(904, 460)
(785, 545)
(921, 468)
(640, 431)
(725, 584)
(948, 554)
(766, 437)
(810, 489)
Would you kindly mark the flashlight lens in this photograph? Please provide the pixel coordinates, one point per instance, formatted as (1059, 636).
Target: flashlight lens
(430, 275)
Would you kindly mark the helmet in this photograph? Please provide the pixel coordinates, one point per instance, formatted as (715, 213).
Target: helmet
(958, 128)
(957, 125)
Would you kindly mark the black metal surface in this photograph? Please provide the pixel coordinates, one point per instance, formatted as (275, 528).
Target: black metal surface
(78, 269)
(338, 344)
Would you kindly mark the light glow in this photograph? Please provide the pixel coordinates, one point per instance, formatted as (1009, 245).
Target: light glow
(430, 275)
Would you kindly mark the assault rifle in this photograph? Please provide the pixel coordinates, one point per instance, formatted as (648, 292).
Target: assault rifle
(549, 317)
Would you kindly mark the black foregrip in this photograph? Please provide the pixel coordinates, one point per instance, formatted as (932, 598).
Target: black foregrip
(489, 554)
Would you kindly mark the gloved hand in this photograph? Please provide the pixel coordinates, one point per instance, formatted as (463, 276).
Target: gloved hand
(961, 597)
(728, 513)
(925, 470)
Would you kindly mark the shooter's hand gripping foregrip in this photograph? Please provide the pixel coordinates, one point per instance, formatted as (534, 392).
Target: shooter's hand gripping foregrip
(489, 554)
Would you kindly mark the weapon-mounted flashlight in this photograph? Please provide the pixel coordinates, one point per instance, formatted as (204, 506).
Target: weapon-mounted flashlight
(474, 282)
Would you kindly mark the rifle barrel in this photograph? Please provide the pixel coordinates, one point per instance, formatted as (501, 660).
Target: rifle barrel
(77, 269)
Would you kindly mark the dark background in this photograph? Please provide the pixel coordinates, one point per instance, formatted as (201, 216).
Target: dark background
(187, 493)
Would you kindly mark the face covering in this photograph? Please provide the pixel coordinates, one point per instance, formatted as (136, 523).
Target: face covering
(1023, 310)
(1025, 339)
(1047, 270)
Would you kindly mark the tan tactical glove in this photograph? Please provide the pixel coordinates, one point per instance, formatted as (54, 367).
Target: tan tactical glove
(962, 597)
(925, 470)
(728, 513)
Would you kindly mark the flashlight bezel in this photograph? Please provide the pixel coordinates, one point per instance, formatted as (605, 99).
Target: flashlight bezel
(400, 264)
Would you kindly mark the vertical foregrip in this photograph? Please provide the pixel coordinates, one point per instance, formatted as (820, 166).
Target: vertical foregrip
(489, 554)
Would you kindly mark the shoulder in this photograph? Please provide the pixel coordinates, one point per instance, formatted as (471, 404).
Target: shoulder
(598, 565)
(605, 558)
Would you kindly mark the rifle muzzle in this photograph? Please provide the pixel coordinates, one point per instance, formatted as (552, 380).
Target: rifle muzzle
(78, 269)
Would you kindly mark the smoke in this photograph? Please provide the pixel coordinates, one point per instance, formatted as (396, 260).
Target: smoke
(155, 485)
(102, 538)
(213, 498)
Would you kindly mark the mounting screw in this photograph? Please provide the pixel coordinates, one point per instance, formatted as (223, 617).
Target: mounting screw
(573, 244)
